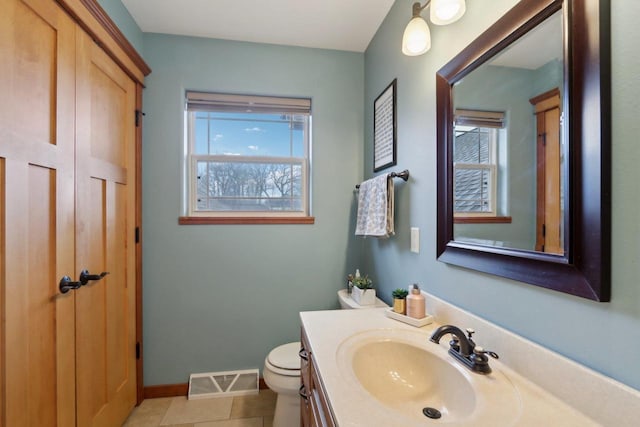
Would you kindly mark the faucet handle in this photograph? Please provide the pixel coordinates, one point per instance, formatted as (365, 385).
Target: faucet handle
(480, 361)
(480, 351)
(470, 332)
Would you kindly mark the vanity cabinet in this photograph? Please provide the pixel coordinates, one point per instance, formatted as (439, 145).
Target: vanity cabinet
(314, 407)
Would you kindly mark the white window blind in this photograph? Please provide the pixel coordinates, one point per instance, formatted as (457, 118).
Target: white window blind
(204, 101)
(485, 119)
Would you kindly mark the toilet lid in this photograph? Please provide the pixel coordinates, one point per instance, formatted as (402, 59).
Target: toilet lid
(286, 356)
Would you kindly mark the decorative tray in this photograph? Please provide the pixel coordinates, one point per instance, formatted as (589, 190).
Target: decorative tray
(418, 323)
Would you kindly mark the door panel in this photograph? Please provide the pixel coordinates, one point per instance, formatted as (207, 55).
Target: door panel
(118, 337)
(553, 211)
(105, 176)
(37, 214)
(548, 173)
(34, 44)
(40, 274)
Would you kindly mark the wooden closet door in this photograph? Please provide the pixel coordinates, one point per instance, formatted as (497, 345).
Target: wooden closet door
(105, 238)
(552, 193)
(37, 87)
(548, 173)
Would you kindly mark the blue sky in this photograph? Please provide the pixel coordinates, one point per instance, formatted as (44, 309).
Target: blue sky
(248, 135)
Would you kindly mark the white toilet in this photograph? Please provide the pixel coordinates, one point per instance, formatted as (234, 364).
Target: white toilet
(346, 302)
(281, 371)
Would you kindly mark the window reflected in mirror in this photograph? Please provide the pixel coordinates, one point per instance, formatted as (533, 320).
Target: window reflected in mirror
(479, 148)
(474, 163)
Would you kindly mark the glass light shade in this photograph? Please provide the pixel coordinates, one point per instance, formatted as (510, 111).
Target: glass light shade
(417, 37)
(445, 12)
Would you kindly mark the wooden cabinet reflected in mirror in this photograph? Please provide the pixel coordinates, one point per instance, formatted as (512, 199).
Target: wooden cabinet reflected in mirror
(523, 149)
(549, 163)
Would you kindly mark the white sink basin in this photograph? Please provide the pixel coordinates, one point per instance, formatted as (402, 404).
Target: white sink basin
(408, 378)
(405, 373)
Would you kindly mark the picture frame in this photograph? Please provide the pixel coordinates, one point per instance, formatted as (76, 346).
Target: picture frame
(385, 128)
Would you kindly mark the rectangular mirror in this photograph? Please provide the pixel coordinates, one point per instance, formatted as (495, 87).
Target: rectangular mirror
(523, 149)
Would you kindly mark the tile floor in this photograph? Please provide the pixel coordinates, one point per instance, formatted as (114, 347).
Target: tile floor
(242, 411)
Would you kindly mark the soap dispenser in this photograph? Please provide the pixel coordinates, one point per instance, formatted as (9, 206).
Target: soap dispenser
(416, 303)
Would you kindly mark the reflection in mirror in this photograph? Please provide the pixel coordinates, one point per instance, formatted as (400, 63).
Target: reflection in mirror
(523, 127)
(507, 146)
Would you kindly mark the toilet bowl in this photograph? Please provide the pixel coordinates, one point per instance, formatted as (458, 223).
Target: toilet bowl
(281, 371)
(281, 374)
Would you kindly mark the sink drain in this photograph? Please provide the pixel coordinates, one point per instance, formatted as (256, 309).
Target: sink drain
(431, 413)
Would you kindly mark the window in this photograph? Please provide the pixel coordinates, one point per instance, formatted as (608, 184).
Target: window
(475, 162)
(247, 157)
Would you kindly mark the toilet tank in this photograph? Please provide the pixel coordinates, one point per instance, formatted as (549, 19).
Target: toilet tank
(346, 302)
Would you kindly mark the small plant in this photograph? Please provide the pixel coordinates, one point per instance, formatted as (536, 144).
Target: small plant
(400, 293)
(363, 282)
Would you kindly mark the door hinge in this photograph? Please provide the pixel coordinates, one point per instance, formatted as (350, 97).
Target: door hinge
(137, 351)
(137, 234)
(138, 114)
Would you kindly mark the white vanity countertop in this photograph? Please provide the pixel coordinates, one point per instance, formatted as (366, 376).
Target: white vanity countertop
(326, 330)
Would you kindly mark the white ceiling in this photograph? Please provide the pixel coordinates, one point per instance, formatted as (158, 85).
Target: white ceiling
(329, 24)
(536, 48)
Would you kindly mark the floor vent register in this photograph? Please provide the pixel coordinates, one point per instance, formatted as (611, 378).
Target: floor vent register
(223, 384)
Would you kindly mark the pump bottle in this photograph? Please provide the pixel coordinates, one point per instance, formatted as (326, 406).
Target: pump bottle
(415, 303)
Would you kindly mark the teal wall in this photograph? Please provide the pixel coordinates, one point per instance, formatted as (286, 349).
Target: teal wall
(125, 22)
(548, 77)
(599, 335)
(219, 297)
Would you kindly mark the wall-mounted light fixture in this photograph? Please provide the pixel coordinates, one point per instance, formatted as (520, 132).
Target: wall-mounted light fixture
(417, 37)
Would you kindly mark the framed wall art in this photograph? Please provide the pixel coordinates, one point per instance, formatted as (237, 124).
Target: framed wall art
(384, 128)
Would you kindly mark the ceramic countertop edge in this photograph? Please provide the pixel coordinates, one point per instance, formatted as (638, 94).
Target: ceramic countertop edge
(554, 389)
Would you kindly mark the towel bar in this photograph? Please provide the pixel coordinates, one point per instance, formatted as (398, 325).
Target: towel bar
(404, 175)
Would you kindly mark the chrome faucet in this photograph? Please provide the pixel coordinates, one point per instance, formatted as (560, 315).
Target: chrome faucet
(464, 349)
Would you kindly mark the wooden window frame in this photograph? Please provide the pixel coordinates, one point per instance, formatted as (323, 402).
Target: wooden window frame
(204, 101)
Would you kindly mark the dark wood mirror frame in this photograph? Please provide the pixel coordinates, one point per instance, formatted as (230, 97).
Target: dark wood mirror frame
(585, 268)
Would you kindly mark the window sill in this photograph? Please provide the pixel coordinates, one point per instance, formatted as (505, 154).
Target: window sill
(482, 220)
(230, 220)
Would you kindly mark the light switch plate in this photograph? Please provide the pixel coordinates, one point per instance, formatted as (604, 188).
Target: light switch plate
(415, 240)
